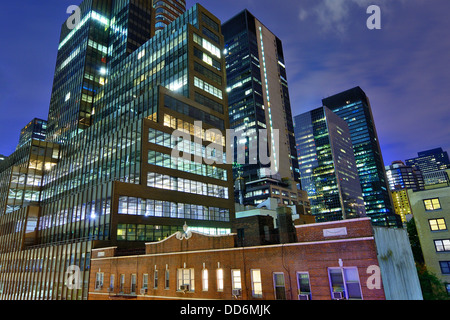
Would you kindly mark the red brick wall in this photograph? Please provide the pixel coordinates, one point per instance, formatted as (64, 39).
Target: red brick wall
(355, 228)
(289, 259)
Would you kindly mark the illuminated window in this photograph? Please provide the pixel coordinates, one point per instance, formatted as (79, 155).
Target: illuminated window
(220, 280)
(437, 224)
(205, 279)
(236, 279)
(432, 204)
(186, 279)
(442, 245)
(99, 281)
(256, 283)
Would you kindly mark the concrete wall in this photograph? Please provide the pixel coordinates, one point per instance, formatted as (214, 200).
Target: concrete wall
(398, 270)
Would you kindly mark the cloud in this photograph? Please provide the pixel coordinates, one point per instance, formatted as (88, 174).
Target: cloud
(337, 16)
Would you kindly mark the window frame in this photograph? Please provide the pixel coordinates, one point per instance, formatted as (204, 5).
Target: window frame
(183, 281)
(437, 224)
(99, 283)
(220, 279)
(275, 286)
(345, 282)
(445, 246)
(432, 205)
(236, 281)
(254, 294)
(299, 292)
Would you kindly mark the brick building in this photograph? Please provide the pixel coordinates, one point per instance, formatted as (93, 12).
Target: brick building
(332, 260)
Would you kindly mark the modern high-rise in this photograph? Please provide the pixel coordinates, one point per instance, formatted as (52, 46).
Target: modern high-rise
(433, 165)
(258, 97)
(120, 181)
(327, 166)
(401, 176)
(166, 11)
(107, 32)
(354, 107)
(36, 129)
(401, 179)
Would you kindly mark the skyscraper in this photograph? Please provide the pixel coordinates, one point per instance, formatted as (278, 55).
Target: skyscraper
(401, 176)
(167, 11)
(327, 166)
(401, 179)
(118, 182)
(432, 163)
(354, 107)
(259, 100)
(107, 32)
(36, 129)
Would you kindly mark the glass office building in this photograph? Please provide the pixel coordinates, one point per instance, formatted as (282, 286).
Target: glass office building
(401, 176)
(433, 164)
(118, 181)
(353, 106)
(327, 166)
(258, 96)
(36, 129)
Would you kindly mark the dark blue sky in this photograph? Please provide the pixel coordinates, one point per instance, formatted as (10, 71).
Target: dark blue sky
(403, 68)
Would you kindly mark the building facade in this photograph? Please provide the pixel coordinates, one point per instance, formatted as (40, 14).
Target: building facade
(36, 129)
(433, 164)
(401, 179)
(327, 166)
(431, 212)
(260, 110)
(402, 205)
(354, 107)
(401, 176)
(321, 264)
(118, 181)
(167, 11)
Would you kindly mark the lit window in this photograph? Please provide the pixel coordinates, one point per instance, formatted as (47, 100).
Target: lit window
(141, 54)
(432, 204)
(256, 283)
(220, 281)
(99, 281)
(186, 279)
(437, 224)
(442, 245)
(236, 279)
(205, 279)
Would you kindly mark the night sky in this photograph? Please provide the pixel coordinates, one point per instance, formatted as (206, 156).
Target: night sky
(403, 68)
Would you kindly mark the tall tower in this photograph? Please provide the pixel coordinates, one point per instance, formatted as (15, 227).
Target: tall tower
(118, 181)
(354, 107)
(107, 32)
(258, 96)
(81, 70)
(167, 11)
(327, 166)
